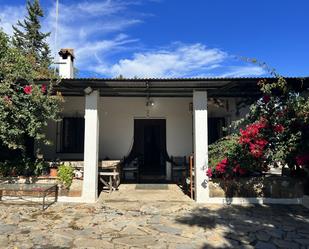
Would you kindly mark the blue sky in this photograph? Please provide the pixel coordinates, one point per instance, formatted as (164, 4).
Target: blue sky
(177, 38)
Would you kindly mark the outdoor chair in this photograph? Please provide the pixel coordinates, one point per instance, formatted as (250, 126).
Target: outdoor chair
(130, 169)
(179, 169)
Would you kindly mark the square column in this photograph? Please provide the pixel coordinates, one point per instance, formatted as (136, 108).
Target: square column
(91, 147)
(200, 130)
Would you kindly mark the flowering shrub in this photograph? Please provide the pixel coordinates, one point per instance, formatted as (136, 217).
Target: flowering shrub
(276, 133)
(25, 107)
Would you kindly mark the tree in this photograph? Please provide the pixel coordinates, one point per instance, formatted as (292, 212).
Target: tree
(25, 107)
(29, 39)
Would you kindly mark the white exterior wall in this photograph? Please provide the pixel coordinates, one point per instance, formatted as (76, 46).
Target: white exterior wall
(117, 124)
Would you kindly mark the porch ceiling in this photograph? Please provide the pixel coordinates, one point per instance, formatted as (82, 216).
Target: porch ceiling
(182, 87)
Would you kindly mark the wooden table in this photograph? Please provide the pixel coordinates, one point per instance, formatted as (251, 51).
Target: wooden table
(110, 169)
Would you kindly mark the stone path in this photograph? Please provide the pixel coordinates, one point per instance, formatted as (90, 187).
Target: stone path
(160, 223)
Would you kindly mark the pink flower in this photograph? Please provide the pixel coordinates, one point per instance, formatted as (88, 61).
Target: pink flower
(266, 99)
(43, 88)
(279, 128)
(209, 172)
(221, 167)
(7, 98)
(302, 160)
(239, 170)
(27, 89)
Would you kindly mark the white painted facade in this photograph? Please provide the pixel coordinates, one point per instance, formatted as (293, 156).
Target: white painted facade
(109, 131)
(117, 116)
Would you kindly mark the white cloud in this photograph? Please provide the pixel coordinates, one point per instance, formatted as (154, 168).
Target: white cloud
(97, 29)
(93, 29)
(242, 71)
(9, 15)
(178, 61)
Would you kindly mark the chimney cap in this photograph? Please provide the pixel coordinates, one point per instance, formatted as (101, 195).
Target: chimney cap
(65, 52)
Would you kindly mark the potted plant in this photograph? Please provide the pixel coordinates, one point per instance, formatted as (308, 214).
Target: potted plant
(65, 175)
(53, 171)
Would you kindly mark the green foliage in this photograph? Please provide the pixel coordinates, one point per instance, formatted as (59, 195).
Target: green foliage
(23, 113)
(275, 132)
(22, 166)
(65, 175)
(224, 147)
(28, 37)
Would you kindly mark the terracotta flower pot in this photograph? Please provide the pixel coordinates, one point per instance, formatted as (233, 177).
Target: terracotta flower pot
(53, 172)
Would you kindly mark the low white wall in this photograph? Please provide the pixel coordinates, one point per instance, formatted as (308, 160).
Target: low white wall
(117, 116)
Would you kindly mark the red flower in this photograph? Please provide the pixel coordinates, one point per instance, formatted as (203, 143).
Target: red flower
(27, 89)
(266, 99)
(43, 88)
(302, 160)
(261, 142)
(221, 167)
(279, 128)
(224, 161)
(239, 170)
(209, 172)
(236, 168)
(242, 171)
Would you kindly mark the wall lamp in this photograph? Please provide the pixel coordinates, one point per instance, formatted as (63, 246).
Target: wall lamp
(88, 90)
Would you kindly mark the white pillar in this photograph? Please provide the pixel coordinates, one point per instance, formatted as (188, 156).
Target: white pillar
(91, 147)
(200, 127)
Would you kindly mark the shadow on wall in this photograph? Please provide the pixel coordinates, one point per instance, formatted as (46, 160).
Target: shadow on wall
(252, 226)
(261, 186)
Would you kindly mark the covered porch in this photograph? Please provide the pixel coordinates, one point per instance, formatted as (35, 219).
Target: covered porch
(112, 108)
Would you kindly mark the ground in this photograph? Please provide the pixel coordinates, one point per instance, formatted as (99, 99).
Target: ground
(152, 218)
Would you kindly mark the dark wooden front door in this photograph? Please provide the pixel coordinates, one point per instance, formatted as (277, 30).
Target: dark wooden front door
(150, 139)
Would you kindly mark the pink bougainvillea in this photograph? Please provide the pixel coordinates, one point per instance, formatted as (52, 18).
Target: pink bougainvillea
(209, 172)
(279, 128)
(222, 166)
(302, 160)
(27, 89)
(43, 88)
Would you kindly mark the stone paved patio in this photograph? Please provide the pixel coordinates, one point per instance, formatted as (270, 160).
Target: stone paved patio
(152, 222)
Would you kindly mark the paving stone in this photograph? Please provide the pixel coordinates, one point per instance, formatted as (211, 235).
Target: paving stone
(185, 246)
(276, 233)
(261, 235)
(285, 244)
(302, 241)
(156, 225)
(93, 243)
(7, 229)
(136, 240)
(167, 229)
(154, 219)
(264, 245)
(146, 209)
(4, 241)
(288, 228)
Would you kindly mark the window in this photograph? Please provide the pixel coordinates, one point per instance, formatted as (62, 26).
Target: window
(215, 129)
(71, 135)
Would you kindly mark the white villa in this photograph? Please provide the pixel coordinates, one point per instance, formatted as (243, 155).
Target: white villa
(154, 118)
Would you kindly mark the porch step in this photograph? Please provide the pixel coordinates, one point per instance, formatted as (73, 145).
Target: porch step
(151, 187)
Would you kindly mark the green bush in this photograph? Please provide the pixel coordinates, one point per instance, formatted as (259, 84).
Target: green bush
(224, 147)
(65, 175)
(22, 167)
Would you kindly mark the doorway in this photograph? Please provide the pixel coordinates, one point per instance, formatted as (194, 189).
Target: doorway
(150, 144)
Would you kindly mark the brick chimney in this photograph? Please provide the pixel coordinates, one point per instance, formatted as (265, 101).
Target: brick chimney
(66, 63)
